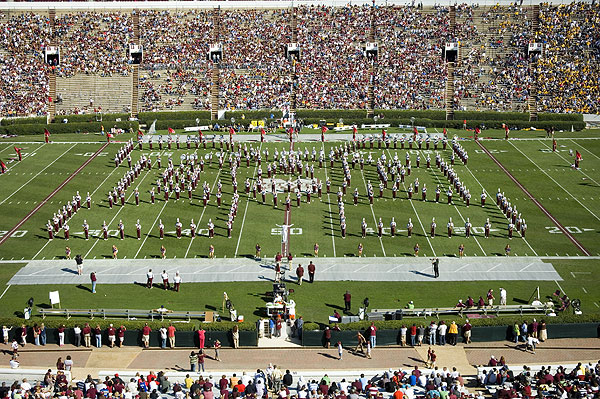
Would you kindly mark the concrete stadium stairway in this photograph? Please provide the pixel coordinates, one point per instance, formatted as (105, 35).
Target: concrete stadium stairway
(112, 93)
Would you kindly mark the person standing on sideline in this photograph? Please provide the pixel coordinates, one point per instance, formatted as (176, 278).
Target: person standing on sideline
(311, 272)
(300, 274)
(466, 329)
(163, 337)
(217, 346)
(94, 281)
(502, 296)
(340, 349)
(347, 301)
(235, 333)
(171, 335)
(201, 338)
(316, 250)
(373, 335)
(435, 262)
(149, 278)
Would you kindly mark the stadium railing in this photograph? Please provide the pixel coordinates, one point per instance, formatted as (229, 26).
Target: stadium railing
(129, 313)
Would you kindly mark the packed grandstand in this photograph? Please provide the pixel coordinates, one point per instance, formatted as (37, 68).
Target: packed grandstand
(493, 72)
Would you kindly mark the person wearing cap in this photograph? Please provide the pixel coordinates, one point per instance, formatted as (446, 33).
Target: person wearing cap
(111, 331)
(466, 329)
(410, 305)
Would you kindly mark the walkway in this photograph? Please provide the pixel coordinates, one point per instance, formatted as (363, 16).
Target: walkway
(128, 271)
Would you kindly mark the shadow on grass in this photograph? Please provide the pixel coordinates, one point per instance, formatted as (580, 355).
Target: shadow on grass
(329, 305)
(84, 288)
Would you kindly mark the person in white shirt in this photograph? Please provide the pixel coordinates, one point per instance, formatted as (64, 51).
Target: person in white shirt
(532, 342)
(502, 296)
(13, 362)
(442, 328)
(163, 338)
(25, 386)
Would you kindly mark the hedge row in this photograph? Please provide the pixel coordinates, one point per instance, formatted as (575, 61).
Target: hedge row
(495, 321)
(130, 324)
(58, 128)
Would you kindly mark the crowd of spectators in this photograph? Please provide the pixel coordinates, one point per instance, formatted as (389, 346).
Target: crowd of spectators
(581, 381)
(494, 72)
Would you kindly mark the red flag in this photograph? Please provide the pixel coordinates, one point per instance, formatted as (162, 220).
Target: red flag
(354, 130)
(578, 155)
(415, 130)
(231, 131)
(3, 165)
(171, 131)
(18, 150)
(324, 129)
(445, 132)
(262, 131)
(46, 132)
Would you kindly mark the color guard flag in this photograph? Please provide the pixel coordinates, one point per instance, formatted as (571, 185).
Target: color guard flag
(171, 131)
(262, 131)
(2, 166)
(578, 155)
(324, 129)
(46, 132)
(231, 131)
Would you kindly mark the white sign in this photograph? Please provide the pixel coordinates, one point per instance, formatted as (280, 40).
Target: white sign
(54, 298)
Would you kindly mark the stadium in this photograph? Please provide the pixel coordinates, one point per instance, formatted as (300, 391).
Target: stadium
(384, 198)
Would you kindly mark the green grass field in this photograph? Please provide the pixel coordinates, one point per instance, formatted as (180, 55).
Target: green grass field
(570, 196)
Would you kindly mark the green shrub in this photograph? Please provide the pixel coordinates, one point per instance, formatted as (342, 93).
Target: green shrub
(22, 121)
(58, 128)
(252, 115)
(560, 117)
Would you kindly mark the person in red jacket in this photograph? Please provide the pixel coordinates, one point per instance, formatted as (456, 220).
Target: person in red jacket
(146, 335)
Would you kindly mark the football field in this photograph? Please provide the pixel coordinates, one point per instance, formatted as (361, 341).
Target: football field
(569, 197)
(559, 203)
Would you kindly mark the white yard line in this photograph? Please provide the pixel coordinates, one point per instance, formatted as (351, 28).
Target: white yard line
(585, 149)
(20, 162)
(437, 177)
(119, 211)
(561, 288)
(237, 246)
(493, 199)
(557, 183)
(39, 173)
(329, 205)
(150, 230)
(1, 296)
(569, 163)
(418, 217)
(372, 212)
(91, 196)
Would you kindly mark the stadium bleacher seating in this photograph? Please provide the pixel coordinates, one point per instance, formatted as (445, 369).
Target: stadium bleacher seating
(493, 73)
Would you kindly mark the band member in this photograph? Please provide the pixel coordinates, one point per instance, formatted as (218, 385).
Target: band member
(523, 228)
(178, 226)
(88, 200)
(343, 229)
(66, 229)
(433, 226)
(393, 227)
(468, 227)
(416, 249)
(121, 230)
(449, 195)
(229, 225)
(138, 228)
(424, 193)
(46, 136)
(161, 229)
(409, 227)
(483, 198)
(450, 228)
(86, 229)
(211, 228)
(105, 230)
(192, 229)
(50, 231)
(363, 226)
(110, 200)
(487, 227)
(380, 228)
(511, 228)
(137, 197)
